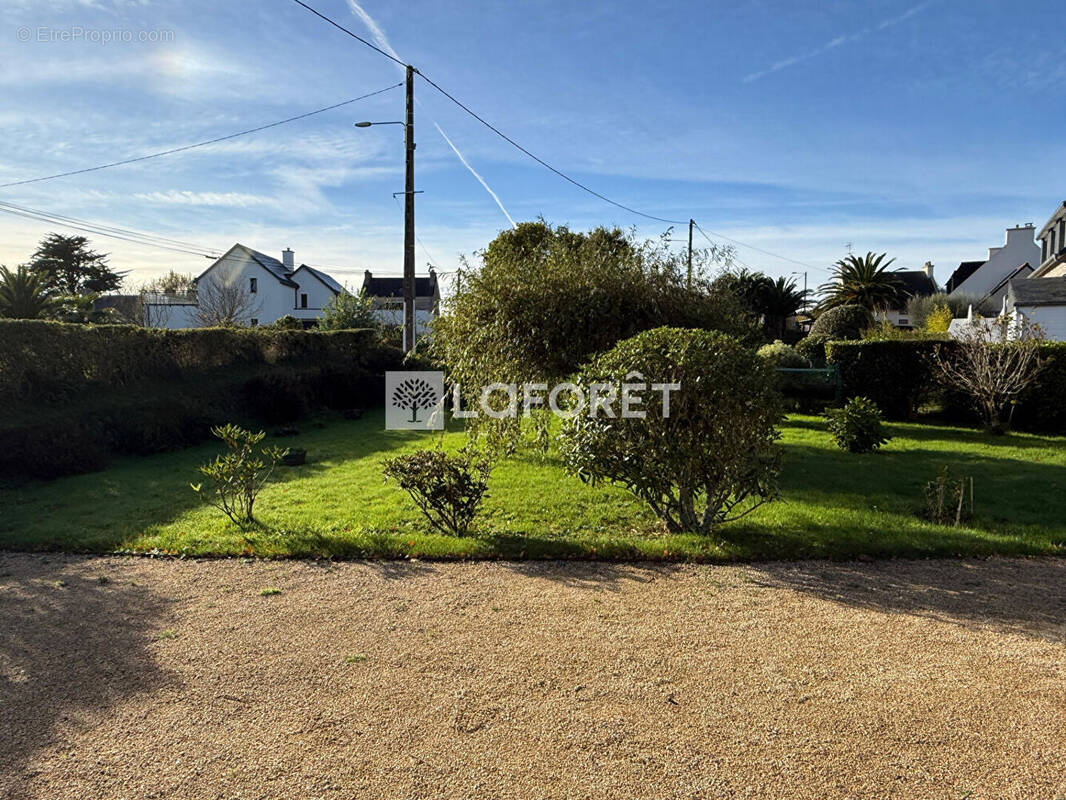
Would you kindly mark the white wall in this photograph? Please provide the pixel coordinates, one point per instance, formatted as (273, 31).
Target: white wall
(1019, 249)
(318, 294)
(1052, 319)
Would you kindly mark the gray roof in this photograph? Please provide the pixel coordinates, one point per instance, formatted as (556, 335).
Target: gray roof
(1037, 291)
(915, 282)
(326, 279)
(270, 264)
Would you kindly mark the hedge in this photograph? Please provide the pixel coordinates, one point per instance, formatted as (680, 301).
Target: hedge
(73, 394)
(898, 375)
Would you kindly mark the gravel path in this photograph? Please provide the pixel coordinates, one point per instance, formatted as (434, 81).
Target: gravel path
(133, 678)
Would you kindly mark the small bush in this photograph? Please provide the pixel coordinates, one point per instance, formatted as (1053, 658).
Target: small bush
(945, 499)
(448, 489)
(783, 355)
(712, 459)
(857, 426)
(239, 475)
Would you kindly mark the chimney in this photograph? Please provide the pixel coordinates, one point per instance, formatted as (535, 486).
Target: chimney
(928, 269)
(367, 276)
(288, 258)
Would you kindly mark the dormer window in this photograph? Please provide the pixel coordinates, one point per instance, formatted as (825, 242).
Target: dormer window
(253, 285)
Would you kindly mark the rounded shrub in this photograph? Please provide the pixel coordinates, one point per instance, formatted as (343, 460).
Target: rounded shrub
(705, 458)
(842, 323)
(783, 355)
(857, 427)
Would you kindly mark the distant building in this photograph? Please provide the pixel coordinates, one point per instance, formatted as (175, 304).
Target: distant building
(988, 279)
(387, 296)
(916, 283)
(1053, 246)
(265, 288)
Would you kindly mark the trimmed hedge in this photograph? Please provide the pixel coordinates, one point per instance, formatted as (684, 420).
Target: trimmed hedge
(898, 375)
(73, 394)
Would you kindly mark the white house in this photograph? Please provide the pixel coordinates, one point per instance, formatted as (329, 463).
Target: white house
(1040, 301)
(916, 283)
(256, 289)
(988, 279)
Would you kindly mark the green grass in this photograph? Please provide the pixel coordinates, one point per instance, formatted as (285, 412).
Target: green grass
(834, 504)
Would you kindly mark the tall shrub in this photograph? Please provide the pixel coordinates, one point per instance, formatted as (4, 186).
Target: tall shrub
(711, 458)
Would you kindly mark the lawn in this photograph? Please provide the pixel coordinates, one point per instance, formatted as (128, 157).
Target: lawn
(834, 504)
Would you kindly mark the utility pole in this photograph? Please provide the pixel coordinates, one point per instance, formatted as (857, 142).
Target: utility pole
(409, 218)
(691, 222)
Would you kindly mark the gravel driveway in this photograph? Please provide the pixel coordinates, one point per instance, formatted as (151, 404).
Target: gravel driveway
(133, 678)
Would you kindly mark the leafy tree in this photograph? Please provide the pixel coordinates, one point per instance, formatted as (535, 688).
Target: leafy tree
(347, 311)
(864, 281)
(711, 458)
(22, 294)
(545, 298)
(67, 266)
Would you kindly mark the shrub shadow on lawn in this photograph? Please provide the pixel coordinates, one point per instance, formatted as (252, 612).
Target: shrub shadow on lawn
(1023, 596)
(73, 642)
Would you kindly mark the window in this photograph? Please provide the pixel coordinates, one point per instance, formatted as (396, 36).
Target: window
(303, 301)
(253, 321)
(253, 285)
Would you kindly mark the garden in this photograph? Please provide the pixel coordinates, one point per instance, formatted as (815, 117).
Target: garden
(266, 443)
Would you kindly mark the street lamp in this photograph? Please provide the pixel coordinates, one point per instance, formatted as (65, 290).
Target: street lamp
(408, 210)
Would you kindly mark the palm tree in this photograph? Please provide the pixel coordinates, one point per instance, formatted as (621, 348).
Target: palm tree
(865, 282)
(781, 299)
(21, 294)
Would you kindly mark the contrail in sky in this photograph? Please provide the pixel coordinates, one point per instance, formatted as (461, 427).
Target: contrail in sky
(383, 42)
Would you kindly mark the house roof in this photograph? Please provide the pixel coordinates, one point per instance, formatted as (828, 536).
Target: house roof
(270, 264)
(964, 271)
(1018, 272)
(425, 286)
(1037, 291)
(916, 282)
(331, 284)
(1060, 212)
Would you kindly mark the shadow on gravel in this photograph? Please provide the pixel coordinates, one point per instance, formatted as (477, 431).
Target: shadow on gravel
(73, 642)
(1021, 596)
(590, 574)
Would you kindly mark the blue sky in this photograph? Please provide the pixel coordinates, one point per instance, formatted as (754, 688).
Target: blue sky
(918, 128)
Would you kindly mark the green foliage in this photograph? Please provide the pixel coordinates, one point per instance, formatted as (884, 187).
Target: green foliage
(839, 323)
(712, 458)
(842, 323)
(945, 499)
(938, 320)
(22, 294)
(448, 489)
(544, 299)
(783, 355)
(864, 281)
(73, 394)
(348, 311)
(857, 426)
(238, 475)
(171, 283)
(286, 323)
(67, 266)
(896, 374)
(919, 307)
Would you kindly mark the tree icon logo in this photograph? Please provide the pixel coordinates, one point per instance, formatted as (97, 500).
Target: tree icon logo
(414, 395)
(413, 400)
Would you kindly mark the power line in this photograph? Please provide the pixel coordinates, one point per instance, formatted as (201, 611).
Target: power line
(751, 247)
(337, 25)
(545, 164)
(99, 229)
(198, 144)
